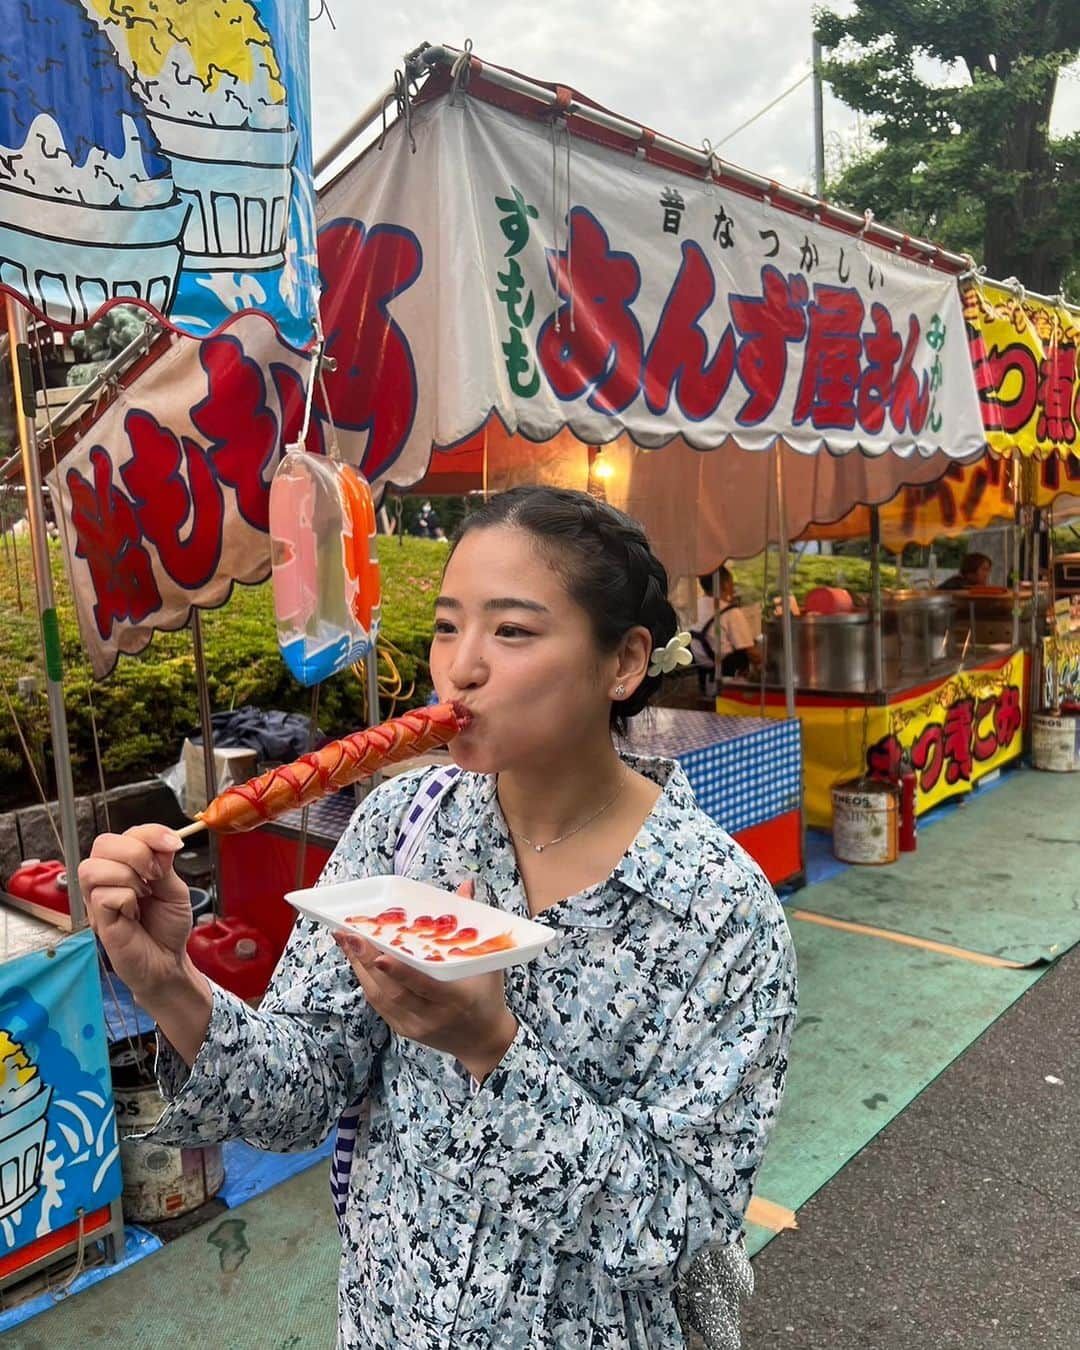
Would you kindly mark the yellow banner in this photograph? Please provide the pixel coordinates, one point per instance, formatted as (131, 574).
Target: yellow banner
(968, 497)
(954, 733)
(1023, 353)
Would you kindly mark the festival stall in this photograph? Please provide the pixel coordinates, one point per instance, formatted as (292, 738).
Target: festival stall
(583, 301)
(947, 681)
(159, 158)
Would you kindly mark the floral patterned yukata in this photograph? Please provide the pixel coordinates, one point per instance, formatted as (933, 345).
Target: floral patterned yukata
(556, 1205)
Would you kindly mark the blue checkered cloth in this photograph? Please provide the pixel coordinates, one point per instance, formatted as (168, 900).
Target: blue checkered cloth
(744, 770)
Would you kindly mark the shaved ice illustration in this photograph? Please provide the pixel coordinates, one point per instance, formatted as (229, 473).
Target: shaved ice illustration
(76, 176)
(24, 1103)
(210, 82)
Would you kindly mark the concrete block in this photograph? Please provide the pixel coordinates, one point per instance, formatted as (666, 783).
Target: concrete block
(10, 857)
(36, 837)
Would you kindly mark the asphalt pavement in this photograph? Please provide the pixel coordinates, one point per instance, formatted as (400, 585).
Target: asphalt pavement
(959, 1224)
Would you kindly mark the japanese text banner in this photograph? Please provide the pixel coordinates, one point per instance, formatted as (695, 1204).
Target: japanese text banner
(1024, 357)
(954, 733)
(165, 502)
(624, 299)
(967, 497)
(158, 151)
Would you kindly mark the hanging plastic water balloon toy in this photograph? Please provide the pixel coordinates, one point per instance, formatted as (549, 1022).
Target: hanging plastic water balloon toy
(327, 589)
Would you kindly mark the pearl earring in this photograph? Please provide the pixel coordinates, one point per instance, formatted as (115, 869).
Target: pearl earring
(620, 690)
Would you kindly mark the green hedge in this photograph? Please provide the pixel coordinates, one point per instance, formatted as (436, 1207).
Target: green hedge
(149, 703)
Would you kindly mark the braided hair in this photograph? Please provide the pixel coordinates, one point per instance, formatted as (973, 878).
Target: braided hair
(605, 562)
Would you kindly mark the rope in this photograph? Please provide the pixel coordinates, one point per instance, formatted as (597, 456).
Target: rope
(392, 685)
(555, 227)
(33, 768)
(97, 760)
(767, 108)
(313, 728)
(569, 229)
(61, 1290)
(309, 397)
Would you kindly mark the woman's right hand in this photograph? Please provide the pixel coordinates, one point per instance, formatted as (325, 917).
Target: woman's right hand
(137, 905)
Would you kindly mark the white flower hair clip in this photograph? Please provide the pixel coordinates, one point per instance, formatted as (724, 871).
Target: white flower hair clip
(669, 658)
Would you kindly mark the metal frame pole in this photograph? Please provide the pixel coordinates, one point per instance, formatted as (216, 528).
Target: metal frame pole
(23, 383)
(206, 721)
(1017, 543)
(785, 583)
(877, 651)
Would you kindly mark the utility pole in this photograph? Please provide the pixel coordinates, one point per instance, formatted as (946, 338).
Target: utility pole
(819, 170)
(819, 125)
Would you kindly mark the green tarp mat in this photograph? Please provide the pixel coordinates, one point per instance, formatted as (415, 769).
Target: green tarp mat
(1000, 875)
(263, 1276)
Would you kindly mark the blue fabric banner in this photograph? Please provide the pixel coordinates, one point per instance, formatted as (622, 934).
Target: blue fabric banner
(58, 1147)
(158, 151)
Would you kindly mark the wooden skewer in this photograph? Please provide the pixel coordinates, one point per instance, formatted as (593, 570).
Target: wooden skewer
(193, 828)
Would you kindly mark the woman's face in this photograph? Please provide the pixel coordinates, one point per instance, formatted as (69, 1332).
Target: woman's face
(515, 648)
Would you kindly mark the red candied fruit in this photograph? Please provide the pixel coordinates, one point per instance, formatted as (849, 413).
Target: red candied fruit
(462, 935)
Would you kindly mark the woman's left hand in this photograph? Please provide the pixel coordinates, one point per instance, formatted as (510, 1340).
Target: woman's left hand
(466, 1018)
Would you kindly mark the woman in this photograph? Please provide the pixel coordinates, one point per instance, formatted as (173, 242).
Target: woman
(540, 1158)
(722, 624)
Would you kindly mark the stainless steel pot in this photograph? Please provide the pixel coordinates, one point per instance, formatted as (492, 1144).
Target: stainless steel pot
(916, 628)
(832, 651)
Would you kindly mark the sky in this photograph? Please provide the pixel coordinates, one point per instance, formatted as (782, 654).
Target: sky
(687, 69)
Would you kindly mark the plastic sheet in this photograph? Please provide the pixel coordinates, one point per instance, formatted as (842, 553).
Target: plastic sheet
(325, 567)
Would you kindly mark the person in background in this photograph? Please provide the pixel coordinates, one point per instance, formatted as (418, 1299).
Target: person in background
(974, 571)
(428, 525)
(722, 637)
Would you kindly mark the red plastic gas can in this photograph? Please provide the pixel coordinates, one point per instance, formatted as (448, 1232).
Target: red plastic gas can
(41, 883)
(232, 954)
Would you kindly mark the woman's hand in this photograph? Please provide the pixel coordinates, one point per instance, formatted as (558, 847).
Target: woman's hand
(466, 1018)
(137, 905)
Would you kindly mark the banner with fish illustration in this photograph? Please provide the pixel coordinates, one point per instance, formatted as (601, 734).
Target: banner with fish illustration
(59, 1158)
(158, 151)
(1024, 353)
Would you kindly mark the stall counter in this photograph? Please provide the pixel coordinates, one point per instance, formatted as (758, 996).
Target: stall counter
(956, 729)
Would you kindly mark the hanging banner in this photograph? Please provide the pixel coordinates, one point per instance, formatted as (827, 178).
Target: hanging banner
(967, 497)
(165, 501)
(158, 151)
(955, 732)
(1024, 355)
(58, 1150)
(615, 297)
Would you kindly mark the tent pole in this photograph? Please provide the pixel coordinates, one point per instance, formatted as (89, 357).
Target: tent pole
(785, 584)
(206, 720)
(875, 600)
(1017, 541)
(23, 383)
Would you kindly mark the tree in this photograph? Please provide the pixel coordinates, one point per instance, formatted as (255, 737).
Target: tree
(970, 164)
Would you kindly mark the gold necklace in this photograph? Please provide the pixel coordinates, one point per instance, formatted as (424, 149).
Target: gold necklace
(540, 848)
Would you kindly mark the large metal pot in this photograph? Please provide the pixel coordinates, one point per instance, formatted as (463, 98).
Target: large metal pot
(832, 651)
(916, 627)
